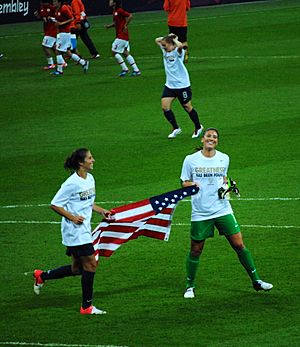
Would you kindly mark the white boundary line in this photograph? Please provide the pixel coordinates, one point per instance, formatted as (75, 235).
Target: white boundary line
(227, 57)
(173, 224)
(17, 343)
(29, 222)
(256, 226)
(246, 57)
(130, 201)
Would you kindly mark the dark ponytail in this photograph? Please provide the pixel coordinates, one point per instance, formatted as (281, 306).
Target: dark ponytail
(72, 162)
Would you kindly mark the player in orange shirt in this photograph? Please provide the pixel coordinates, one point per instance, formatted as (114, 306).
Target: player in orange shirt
(177, 20)
(50, 31)
(73, 31)
(63, 20)
(82, 26)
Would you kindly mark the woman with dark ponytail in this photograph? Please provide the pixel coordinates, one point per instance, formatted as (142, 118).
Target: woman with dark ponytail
(72, 162)
(74, 201)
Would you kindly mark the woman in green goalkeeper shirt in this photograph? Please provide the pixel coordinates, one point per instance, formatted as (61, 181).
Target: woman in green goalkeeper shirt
(208, 169)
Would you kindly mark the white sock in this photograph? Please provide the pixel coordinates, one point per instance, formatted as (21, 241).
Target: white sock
(60, 61)
(79, 60)
(132, 63)
(75, 57)
(50, 61)
(82, 62)
(121, 62)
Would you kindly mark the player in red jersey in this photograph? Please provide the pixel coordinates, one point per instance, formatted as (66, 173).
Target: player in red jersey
(63, 20)
(121, 19)
(50, 31)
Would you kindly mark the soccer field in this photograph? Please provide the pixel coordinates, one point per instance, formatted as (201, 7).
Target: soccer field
(244, 69)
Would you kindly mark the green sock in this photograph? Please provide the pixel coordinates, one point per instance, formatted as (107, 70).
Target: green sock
(191, 269)
(246, 260)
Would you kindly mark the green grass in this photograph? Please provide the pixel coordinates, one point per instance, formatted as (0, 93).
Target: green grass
(244, 69)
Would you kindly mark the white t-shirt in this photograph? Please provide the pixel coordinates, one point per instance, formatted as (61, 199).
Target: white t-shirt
(177, 76)
(209, 173)
(77, 196)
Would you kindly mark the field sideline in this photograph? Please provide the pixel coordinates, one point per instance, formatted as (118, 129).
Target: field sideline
(244, 68)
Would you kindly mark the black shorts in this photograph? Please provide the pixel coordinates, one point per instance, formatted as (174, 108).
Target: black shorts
(80, 251)
(181, 32)
(184, 95)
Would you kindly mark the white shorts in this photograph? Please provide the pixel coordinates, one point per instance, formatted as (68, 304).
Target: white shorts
(119, 46)
(63, 42)
(48, 41)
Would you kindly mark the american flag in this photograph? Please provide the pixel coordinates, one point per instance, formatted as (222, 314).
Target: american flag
(150, 217)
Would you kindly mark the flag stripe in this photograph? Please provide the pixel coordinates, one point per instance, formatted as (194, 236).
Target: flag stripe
(115, 235)
(158, 222)
(132, 206)
(162, 216)
(167, 210)
(156, 228)
(134, 217)
(115, 240)
(154, 234)
(109, 246)
(120, 228)
(104, 253)
(149, 233)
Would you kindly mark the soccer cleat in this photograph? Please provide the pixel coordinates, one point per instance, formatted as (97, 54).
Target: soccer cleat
(123, 73)
(91, 310)
(174, 133)
(86, 66)
(56, 73)
(197, 132)
(95, 56)
(38, 282)
(49, 67)
(189, 293)
(135, 73)
(1, 55)
(64, 65)
(261, 285)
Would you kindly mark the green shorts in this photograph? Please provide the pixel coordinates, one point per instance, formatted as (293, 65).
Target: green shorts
(226, 225)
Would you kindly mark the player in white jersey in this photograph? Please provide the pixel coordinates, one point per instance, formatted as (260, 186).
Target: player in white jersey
(74, 201)
(177, 84)
(208, 168)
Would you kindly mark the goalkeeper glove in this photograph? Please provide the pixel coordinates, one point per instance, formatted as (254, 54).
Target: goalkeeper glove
(230, 187)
